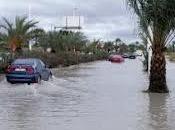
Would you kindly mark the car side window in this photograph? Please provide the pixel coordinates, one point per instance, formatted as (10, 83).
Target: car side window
(38, 66)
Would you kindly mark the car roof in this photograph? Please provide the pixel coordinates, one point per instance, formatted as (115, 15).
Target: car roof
(117, 56)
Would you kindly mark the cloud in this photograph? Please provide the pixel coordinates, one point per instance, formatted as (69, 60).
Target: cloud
(105, 19)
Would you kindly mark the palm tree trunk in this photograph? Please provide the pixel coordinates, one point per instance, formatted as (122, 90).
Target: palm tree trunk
(158, 72)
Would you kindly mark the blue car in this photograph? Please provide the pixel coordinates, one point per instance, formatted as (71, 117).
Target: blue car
(27, 71)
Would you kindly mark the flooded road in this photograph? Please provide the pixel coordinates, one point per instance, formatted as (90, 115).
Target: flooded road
(93, 96)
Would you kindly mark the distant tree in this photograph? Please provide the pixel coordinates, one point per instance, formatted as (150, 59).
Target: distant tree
(123, 48)
(135, 46)
(132, 47)
(118, 41)
(63, 41)
(108, 46)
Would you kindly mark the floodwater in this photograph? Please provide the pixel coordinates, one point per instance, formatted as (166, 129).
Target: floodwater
(93, 96)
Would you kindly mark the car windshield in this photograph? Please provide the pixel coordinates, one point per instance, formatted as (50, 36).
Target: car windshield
(24, 62)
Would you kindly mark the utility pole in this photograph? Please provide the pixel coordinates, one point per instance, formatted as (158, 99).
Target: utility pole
(29, 17)
(29, 12)
(75, 11)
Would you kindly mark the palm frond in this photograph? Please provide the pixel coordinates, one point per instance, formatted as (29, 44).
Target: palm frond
(156, 19)
(20, 30)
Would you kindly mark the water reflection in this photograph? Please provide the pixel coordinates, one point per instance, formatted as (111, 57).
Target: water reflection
(158, 111)
(22, 113)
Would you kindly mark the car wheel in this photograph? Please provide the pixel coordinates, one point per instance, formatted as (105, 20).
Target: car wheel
(50, 76)
(11, 82)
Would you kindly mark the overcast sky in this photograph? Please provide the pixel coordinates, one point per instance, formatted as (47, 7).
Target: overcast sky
(104, 19)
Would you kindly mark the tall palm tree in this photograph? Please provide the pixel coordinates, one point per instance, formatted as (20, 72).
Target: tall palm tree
(18, 33)
(157, 22)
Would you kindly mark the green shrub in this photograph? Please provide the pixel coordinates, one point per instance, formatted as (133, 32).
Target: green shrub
(55, 60)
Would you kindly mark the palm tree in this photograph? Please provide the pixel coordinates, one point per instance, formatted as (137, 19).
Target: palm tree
(118, 41)
(157, 22)
(18, 33)
(2, 44)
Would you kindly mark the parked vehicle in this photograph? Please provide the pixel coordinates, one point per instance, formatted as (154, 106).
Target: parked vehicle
(28, 71)
(125, 55)
(110, 57)
(116, 58)
(132, 56)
